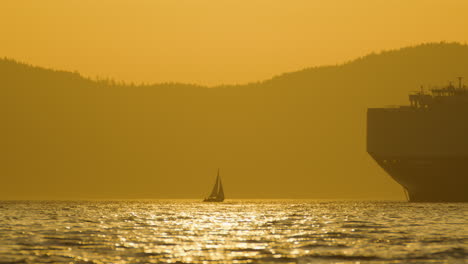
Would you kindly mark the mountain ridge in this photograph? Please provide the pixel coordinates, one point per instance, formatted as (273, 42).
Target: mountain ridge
(360, 60)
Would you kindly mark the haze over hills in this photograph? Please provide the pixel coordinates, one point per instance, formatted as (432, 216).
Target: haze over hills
(297, 135)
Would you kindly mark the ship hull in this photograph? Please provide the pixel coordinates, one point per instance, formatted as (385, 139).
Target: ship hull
(429, 179)
(425, 151)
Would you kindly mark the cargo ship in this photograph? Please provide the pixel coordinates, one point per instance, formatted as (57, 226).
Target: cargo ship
(424, 145)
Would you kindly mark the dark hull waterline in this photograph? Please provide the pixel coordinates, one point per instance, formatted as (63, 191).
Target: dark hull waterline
(429, 179)
(213, 200)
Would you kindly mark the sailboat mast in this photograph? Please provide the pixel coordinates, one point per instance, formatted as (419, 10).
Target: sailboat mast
(217, 183)
(221, 190)
(215, 190)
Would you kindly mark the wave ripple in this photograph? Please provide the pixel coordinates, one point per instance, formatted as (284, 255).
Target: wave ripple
(237, 231)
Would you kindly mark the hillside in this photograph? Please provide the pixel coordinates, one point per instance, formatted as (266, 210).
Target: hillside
(297, 135)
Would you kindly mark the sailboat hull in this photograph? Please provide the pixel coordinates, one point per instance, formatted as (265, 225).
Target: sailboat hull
(213, 200)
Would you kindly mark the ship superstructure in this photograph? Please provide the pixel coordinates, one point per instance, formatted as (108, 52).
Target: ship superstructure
(424, 146)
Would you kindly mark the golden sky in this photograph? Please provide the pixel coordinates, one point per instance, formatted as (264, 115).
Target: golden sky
(217, 41)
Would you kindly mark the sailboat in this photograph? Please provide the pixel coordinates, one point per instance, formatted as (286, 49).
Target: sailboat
(217, 194)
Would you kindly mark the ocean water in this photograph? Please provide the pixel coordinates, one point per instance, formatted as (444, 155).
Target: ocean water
(236, 231)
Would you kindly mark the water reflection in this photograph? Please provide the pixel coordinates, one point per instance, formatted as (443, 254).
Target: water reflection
(232, 232)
